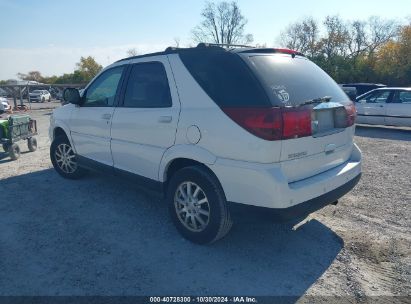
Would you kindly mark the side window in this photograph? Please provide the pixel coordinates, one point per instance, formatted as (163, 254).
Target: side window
(365, 98)
(148, 87)
(402, 97)
(102, 92)
(377, 97)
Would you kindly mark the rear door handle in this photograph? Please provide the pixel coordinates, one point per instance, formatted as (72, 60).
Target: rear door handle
(106, 116)
(165, 119)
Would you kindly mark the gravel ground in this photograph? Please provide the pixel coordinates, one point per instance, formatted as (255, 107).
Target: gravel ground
(104, 236)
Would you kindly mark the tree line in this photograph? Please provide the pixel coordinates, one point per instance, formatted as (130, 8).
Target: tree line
(85, 70)
(373, 50)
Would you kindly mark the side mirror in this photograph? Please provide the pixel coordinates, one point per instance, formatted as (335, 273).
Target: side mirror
(72, 95)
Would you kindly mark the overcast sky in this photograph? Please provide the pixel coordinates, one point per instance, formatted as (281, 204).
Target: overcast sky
(50, 36)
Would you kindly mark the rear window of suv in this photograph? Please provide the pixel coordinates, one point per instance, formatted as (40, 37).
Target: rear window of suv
(292, 81)
(226, 78)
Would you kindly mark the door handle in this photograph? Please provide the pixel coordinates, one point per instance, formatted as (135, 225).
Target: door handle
(106, 116)
(165, 119)
(381, 106)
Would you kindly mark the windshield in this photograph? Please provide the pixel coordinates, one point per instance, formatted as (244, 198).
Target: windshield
(36, 91)
(293, 81)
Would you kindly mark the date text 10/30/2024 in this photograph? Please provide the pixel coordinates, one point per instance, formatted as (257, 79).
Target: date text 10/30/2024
(187, 299)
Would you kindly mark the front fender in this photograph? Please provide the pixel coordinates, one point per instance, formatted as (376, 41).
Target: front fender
(61, 124)
(192, 152)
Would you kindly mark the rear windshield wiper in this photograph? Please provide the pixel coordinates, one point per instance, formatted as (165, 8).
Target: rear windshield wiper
(316, 100)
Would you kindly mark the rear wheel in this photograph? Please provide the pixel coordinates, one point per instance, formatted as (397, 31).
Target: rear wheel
(5, 147)
(32, 144)
(198, 206)
(14, 151)
(64, 159)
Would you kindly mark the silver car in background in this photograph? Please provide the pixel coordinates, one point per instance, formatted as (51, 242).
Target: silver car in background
(385, 106)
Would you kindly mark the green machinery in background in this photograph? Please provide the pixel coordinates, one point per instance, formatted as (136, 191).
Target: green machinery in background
(17, 128)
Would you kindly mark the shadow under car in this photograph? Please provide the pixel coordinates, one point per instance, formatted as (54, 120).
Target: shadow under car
(103, 236)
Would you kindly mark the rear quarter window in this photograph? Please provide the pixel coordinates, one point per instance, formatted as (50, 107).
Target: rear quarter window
(226, 78)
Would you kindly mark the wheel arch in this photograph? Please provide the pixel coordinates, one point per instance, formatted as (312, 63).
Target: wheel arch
(180, 156)
(60, 129)
(180, 163)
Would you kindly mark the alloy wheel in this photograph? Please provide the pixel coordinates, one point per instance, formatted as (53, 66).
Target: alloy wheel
(65, 158)
(192, 206)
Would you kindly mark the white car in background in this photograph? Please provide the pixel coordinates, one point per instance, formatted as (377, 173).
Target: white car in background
(4, 105)
(40, 96)
(386, 106)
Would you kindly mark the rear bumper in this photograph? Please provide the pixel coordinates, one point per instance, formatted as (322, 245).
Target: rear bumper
(312, 205)
(265, 185)
(296, 212)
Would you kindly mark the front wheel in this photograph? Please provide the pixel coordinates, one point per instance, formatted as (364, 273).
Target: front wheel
(198, 206)
(64, 159)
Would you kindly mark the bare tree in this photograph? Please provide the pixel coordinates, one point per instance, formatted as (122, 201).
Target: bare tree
(132, 52)
(380, 32)
(336, 37)
(302, 36)
(357, 39)
(176, 42)
(339, 38)
(222, 23)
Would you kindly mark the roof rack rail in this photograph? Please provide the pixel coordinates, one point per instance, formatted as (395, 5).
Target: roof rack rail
(171, 49)
(205, 44)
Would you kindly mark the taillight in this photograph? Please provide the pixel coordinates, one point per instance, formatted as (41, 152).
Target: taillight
(273, 123)
(351, 114)
(296, 122)
(262, 122)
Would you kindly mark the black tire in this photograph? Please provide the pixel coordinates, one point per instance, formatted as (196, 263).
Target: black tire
(43, 99)
(62, 141)
(219, 220)
(5, 147)
(32, 144)
(14, 151)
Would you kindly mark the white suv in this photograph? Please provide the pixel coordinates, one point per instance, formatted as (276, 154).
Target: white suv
(40, 96)
(4, 105)
(210, 127)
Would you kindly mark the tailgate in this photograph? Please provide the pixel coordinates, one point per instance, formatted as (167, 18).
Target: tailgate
(328, 147)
